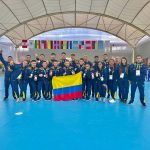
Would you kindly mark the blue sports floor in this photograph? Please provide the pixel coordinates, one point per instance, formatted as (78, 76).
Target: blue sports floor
(74, 125)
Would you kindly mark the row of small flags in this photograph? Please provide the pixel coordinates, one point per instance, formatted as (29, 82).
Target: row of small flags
(75, 45)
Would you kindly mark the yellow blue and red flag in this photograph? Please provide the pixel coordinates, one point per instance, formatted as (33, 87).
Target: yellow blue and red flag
(67, 87)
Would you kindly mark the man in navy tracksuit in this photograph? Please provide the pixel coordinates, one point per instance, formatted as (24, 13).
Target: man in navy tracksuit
(68, 69)
(15, 77)
(81, 65)
(137, 74)
(40, 60)
(43, 82)
(63, 59)
(106, 66)
(8, 72)
(73, 61)
(32, 74)
(28, 59)
(52, 60)
(24, 80)
(96, 61)
(55, 70)
(88, 76)
(95, 67)
(105, 61)
(86, 61)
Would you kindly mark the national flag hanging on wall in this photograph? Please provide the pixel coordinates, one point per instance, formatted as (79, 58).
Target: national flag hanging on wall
(54, 44)
(48, 44)
(75, 45)
(67, 87)
(51, 44)
(43, 44)
(70, 44)
(24, 44)
(64, 45)
(107, 46)
(96, 45)
(88, 45)
(31, 44)
(37, 44)
(61, 44)
(57, 44)
(101, 45)
(93, 44)
(81, 45)
(67, 44)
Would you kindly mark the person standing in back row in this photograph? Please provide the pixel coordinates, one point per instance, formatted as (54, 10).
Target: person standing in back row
(137, 74)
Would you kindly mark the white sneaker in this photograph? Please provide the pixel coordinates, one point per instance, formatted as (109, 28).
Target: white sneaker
(17, 100)
(100, 99)
(104, 99)
(112, 101)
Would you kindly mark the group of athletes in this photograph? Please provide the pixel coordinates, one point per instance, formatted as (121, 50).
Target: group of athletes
(100, 79)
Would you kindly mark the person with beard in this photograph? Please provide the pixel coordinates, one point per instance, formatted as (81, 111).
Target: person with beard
(39, 60)
(32, 75)
(68, 69)
(137, 74)
(105, 61)
(28, 59)
(55, 70)
(88, 76)
(63, 59)
(8, 72)
(43, 82)
(95, 63)
(73, 60)
(23, 80)
(95, 67)
(52, 59)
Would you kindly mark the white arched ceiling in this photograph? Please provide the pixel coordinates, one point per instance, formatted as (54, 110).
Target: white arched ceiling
(126, 19)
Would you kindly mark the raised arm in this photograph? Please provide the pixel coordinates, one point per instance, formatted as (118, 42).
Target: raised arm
(2, 59)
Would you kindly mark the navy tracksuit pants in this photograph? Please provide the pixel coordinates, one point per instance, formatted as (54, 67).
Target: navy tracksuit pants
(87, 86)
(112, 88)
(124, 89)
(140, 86)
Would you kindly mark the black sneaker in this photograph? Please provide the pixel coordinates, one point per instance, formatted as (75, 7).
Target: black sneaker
(87, 98)
(144, 104)
(130, 102)
(96, 99)
(23, 99)
(125, 101)
(48, 99)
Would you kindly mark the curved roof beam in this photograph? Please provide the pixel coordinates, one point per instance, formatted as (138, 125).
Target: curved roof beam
(78, 26)
(79, 12)
(10, 11)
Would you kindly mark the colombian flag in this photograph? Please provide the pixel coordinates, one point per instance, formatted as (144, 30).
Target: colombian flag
(67, 87)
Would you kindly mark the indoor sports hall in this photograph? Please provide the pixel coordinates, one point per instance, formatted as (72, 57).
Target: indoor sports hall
(74, 74)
